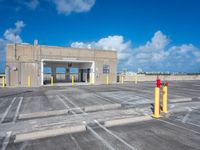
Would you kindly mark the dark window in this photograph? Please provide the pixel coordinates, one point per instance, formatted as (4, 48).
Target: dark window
(106, 69)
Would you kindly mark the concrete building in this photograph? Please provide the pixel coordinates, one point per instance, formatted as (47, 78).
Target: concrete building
(31, 60)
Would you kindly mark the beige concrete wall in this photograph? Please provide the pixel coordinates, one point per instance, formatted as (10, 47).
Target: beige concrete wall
(27, 61)
(162, 77)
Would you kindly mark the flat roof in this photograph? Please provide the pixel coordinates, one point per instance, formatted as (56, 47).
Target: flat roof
(50, 46)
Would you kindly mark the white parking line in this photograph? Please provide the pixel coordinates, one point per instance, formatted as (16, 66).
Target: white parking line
(117, 137)
(18, 108)
(194, 124)
(145, 91)
(76, 143)
(97, 135)
(103, 98)
(76, 106)
(89, 128)
(179, 126)
(196, 84)
(6, 140)
(188, 89)
(185, 118)
(62, 101)
(7, 110)
(100, 138)
(118, 98)
(24, 145)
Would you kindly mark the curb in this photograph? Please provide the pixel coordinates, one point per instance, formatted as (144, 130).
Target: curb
(48, 133)
(124, 121)
(43, 114)
(101, 107)
(180, 100)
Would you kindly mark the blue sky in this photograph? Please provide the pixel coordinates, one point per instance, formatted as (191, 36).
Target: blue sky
(152, 35)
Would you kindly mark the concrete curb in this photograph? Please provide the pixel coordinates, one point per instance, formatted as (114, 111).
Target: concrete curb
(124, 121)
(102, 107)
(43, 114)
(48, 133)
(180, 100)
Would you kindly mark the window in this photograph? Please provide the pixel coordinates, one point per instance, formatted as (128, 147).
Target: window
(106, 69)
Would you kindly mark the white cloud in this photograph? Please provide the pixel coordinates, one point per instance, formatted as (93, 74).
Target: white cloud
(32, 4)
(155, 55)
(11, 35)
(116, 43)
(68, 6)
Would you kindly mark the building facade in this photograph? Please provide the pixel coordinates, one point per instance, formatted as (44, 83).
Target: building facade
(31, 61)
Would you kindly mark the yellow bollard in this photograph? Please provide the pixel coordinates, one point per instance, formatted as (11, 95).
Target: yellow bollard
(156, 103)
(136, 79)
(122, 80)
(90, 79)
(51, 81)
(73, 80)
(3, 82)
(107, 80)
(29, 81)
(164, 99)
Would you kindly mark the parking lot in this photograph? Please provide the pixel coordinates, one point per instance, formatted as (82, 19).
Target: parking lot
(115, 116)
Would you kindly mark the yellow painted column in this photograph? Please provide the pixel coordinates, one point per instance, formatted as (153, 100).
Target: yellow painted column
(3, 82)
(164, 99)
(73, 80)
(51, 80)
(107, 80)
(29, 81)
(156, 103)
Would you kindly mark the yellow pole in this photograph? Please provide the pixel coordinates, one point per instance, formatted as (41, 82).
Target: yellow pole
(29, 81)
(164, 99)
(156, 103)
(51, 81)
(3, 82)
(73, 80)
(122, 80)
(90, 79)
(107, 80)
(136, 79)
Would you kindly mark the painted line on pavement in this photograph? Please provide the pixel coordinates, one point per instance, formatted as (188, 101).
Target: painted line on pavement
(24, 145)
(6, 140)
(65, 104)
(170, 123)
(98, 136)
(196, 84)
(18, 108)
(194, 124)
(91, 130)
(75, 142)
(7, 110)
(104, 98)
(117, 137)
